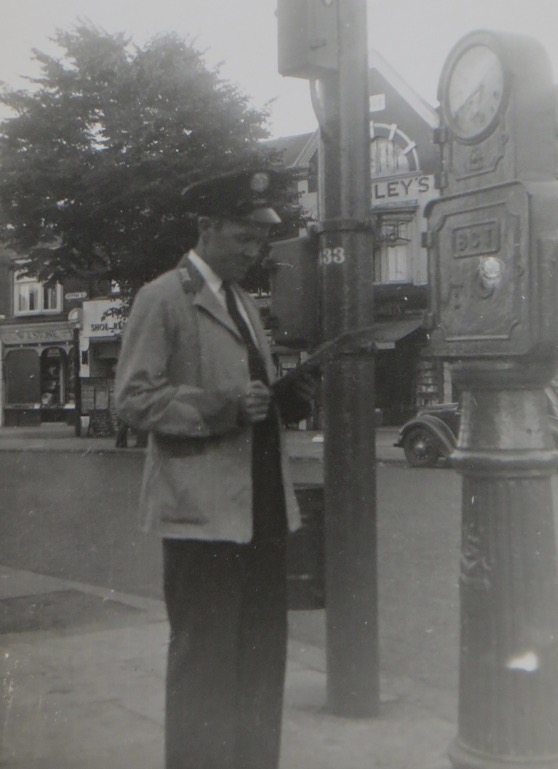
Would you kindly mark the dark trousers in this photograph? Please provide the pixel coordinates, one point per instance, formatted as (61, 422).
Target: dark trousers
(226, 662)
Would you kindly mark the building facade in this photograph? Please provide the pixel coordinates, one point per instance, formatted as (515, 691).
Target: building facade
(58, 348)
(38, 354)
(402, 170)
(101, 324)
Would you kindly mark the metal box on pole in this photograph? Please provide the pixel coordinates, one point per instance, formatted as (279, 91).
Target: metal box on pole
(307, 37)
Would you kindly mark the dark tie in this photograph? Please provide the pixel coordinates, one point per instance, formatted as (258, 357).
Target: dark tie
(255, 361)
(268, 505)
(268, 502)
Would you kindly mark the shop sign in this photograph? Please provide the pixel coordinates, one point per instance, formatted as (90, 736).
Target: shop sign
(103, 317)
(401, 188)
(35, 335)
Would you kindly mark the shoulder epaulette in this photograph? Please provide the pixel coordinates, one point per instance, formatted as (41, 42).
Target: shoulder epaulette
(186, 280)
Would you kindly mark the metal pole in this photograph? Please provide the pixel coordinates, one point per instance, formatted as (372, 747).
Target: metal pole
(349, 435)
(2, 387)
(77, 382)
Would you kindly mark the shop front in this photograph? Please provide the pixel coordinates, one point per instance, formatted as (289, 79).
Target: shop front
(407, 376)
(400, 347)
(102, 323)
(39, 373)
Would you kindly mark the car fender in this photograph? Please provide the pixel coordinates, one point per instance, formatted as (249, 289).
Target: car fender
(445, 439)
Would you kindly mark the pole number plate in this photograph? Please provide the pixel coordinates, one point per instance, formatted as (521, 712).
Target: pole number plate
(332, 255)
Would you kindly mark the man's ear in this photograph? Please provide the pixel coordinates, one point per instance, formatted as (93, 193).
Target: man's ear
(204, 223)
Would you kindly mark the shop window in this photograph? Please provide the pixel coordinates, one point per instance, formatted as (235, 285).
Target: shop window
(396, 242)
(392, 152)
(392, 266)
(22, 371)
(102, 358)
(33, 297)
(53, 377)
(387, 158)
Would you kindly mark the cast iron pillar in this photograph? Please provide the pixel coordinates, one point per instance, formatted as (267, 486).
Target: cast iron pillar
(493, 260)
(508, 692)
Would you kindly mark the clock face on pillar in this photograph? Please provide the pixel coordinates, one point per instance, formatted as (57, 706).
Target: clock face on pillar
(492, 279)
(475, 92)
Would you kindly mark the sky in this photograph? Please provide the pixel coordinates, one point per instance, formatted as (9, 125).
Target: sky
(414, 36)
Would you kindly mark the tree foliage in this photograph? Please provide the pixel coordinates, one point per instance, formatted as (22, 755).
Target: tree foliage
(100, 146)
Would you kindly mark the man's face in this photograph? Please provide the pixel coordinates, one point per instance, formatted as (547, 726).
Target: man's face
(230, 247)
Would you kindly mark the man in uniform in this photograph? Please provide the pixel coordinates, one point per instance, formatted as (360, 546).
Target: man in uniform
(195, 371)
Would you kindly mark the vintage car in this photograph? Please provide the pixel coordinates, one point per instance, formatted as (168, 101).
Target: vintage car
(432, 433)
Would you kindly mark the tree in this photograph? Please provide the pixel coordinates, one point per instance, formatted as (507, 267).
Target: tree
(94, 159)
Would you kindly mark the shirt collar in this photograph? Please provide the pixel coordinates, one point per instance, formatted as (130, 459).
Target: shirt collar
(208, 274)
(215, 283)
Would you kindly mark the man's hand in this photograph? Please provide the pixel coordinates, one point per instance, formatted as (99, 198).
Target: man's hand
(254, 404)
(304, 385)
(294, 394)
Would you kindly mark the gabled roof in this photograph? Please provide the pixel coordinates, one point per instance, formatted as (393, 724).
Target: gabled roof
(294, 148)
(299, 149)
(416, 102)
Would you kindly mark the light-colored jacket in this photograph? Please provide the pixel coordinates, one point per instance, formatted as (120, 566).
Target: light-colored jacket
(180, 373)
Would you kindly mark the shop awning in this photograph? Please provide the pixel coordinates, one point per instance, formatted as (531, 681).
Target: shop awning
(387, 333)
(381, 336)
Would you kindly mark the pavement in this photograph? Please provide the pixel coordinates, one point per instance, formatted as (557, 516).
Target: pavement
(84, 689)
(302, 444)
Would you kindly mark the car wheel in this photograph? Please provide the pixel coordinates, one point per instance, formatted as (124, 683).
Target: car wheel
(420, 449)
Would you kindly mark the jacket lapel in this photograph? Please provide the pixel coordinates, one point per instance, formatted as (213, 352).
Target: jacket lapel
(193, 283)
(206, 299)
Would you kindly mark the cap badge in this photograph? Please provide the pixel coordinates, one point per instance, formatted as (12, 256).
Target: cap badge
(259, 182)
